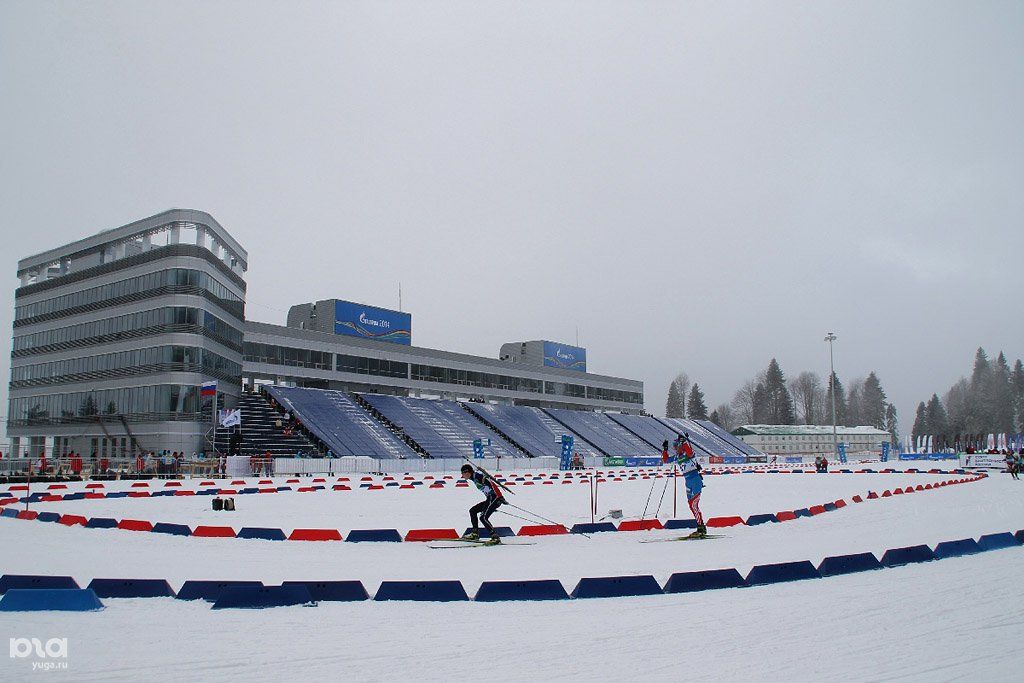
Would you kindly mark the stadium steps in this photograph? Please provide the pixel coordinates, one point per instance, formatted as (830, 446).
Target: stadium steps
(644, 427)
(494, 429)
(395, 429)
(260, 432)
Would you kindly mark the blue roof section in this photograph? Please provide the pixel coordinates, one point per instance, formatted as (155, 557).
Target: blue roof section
(341, 423)
(610, 437)
(531, 428)
(725, 436)
(443, 428)
(703, 441)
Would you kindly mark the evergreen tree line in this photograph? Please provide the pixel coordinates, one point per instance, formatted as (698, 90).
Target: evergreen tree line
(991, 401)
(769, 398)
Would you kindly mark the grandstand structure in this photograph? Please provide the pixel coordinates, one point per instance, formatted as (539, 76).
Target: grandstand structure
(135, 339)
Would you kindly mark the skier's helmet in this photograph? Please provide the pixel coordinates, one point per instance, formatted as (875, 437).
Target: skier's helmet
(467, 469)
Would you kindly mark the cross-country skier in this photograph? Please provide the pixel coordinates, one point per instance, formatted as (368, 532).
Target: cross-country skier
(692, 478)
(493, 499)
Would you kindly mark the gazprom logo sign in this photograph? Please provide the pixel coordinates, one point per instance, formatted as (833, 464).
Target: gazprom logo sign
(565, 357)
(370, 322)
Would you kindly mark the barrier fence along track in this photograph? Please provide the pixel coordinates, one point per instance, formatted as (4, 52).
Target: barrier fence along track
(174, 488)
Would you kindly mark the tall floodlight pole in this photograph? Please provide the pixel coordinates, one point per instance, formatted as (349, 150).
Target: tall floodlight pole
(831, 337)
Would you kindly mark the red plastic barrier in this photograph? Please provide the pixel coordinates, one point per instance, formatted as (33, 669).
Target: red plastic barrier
(71, 520)
(95, 496)
(51, 498)
(840, 503)
(184, 492)
(898, 492)
(406, 486)
(919, 488)
(140, 485)
(886, 494)
(786, 516)
(315, 535)
(54, 487)
(7, 501)
(94, 486)
(207, 483)
(319, 480)
(640, 525)
(431, 534)
(172, 483)
(542, 530)
(268, 490)
(227, 492)
(138, 494)
(264, 481)
(375, 487)
(238, 482)
(724, 521)
(547, 483)
(135, 525)
(214, 531)
(816, 509)
(341, 487)
(27, 514)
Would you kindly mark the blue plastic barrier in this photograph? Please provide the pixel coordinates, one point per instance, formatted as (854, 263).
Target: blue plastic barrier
(829, 507)
(48, 517)
(710, 579)
(848, 564)
(592, 528)
(117, 494)
(502, 531)
(997, 541)
(802, 512)
(284, 488)
(542, 589)
(1019, 536)
(616, 586)
(430, 591)
(261, 533)
(158, 494)
(963, 546)
(101, 523)
(681, 524)
(333, 591)
(50, 599)
(900, 556)
(8, 512)
(261, 597)
(173, 529)
(363, 535)
(209, 590)
(782, 572)
(132, 588)
(248, 490)
(74, 496)
(753, 520)
(208, 492)
(33, 581)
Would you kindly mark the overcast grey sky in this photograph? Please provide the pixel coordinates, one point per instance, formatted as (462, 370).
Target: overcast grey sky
(697, 186)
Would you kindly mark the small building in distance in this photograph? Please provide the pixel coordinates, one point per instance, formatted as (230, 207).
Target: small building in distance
(812, 439)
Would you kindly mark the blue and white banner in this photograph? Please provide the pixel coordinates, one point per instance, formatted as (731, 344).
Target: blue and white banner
(842, 451)
(885, 451)
(370, 322)
(565, 462)
(565, 357)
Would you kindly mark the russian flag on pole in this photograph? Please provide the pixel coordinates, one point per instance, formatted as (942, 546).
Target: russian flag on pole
(208, 389)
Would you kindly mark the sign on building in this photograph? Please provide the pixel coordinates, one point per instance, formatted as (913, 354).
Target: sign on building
(370, 322)
(565, 357)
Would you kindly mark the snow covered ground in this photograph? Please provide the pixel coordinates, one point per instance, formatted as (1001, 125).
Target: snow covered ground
(954, 618)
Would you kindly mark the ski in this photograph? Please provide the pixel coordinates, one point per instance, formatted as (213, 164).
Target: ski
(683, 538)
(474, 544)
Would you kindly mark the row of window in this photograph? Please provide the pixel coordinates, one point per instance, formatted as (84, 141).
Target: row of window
(864, 438)
(189, 358)
(169, 315)
(286, 355)
(321, 360)
(185, 277)
(159, 402)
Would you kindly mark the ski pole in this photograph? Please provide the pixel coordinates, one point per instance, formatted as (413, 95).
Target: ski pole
(591, 488)
(675, 492)
(653, 482)
(662, 499)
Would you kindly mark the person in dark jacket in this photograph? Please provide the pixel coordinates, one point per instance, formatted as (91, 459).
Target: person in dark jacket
(493, 499)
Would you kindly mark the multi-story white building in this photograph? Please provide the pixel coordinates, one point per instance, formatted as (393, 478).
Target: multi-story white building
(812, 439)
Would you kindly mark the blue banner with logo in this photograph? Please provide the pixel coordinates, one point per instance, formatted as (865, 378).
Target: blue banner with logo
(885, 451)
(478, 448)
(566, 460)
(842, 451)
(370, 322)
(641, 462)
(565, 357)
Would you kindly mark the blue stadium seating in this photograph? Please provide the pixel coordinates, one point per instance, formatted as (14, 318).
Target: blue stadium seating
(651, 430)
(607, 435)
(341, 423)
(441, 427)
(531, 428)
(722, 434)
(703, 443)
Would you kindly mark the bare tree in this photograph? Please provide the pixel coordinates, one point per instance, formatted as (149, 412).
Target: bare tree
(809, 396)
(725, 417)
(743, 401)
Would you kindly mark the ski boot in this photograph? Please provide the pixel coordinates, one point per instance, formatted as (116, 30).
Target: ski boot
(494, 540)
(471, 536)
(700, 532)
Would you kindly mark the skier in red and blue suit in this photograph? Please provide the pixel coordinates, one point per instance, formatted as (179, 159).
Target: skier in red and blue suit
(692, 478)
(493, 499)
